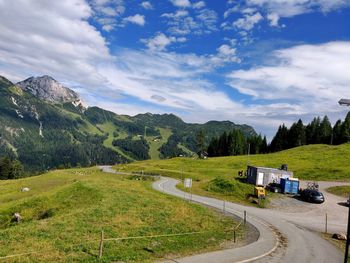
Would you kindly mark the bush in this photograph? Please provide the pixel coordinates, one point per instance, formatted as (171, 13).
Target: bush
(221, 185)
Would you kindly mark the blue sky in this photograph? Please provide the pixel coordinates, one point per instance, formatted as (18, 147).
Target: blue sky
(260, 62)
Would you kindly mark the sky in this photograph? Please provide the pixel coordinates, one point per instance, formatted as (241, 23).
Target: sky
(256, 62)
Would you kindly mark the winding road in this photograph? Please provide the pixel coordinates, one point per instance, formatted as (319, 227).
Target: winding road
(285, 236)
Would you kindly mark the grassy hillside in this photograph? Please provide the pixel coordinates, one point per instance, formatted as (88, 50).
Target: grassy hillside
(65, 210)
(156, 142)
(218, 176)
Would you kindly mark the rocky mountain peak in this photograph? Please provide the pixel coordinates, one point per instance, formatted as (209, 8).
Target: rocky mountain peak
(48, 89)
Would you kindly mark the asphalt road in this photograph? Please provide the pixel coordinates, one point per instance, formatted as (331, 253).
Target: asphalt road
(284, 236)
(313, 216)
(281, 239)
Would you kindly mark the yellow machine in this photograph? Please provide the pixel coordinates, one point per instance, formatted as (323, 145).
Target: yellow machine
(259, 192)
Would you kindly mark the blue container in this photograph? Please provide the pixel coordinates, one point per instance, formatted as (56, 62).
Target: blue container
(289, 186)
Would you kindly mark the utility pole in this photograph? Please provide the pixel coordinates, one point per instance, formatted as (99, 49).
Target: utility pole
(346, 102)
(347, 237)
(248, 154)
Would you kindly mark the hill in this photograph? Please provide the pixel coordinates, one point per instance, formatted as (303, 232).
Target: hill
(45, 126)
(64, 211)
(219, 176)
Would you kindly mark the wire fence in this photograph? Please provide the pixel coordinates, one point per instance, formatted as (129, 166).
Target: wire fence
(103, 239)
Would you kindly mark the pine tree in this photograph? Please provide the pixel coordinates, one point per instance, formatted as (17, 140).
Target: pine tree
(280, 141)
(337, 133)
(297, 135)
(264, 147)
(345, 129)
(239, 145)
(5, 168)
(200, 141)
(313, 131)
(325, 131)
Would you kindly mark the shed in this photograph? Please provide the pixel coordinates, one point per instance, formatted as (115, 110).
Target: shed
(289, 185)
(265, 175)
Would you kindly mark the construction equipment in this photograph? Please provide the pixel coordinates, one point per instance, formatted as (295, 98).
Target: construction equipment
(259, 192)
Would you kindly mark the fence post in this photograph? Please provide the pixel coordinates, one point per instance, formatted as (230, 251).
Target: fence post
(224, 206)
(326, 227)
(245, 217)
(234, 235)
(101, 245)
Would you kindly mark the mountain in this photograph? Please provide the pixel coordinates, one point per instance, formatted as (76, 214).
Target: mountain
(45, 126)
(48, 89)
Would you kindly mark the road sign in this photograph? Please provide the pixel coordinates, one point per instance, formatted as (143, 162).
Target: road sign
(188, 182)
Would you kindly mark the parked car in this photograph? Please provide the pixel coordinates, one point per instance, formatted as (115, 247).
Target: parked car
(311, 195)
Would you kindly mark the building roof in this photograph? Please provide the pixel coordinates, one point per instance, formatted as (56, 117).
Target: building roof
(269, 168)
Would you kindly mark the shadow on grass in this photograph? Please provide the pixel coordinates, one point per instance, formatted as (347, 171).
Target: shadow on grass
(241, 179)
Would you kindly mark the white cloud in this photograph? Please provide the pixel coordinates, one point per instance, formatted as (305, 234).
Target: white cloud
(107, 12)
(51, 38)
(199, 5)
(181, 22)
(255, 11)
(135, 19)
(177, 14)
(225, 54)
(160, 41)
(147, 5)
(290, 8)
(273, 18)
(174, 78)
(208, 18)
(181, 3)
(314, 77)
(248, 21)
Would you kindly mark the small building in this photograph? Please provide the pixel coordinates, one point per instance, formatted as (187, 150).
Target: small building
(264, 175)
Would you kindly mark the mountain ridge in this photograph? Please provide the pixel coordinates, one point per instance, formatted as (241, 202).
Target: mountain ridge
(50, 133)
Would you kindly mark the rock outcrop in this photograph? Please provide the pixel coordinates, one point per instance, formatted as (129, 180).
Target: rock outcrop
(48, 89)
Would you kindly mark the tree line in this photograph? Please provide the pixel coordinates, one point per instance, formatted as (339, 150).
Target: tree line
(318, 131)
(235, 143)
(10, 169)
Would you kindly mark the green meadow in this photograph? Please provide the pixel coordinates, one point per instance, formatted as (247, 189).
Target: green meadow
(65, 210)
(218, 177)
(343, 191)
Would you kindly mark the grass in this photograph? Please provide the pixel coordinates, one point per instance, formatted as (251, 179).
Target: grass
(110, 128)
(312, 162)
(186, 150)
(65, 210)
(343, 191)
(155, 145)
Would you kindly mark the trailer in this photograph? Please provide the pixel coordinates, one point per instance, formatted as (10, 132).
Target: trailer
(262, 176)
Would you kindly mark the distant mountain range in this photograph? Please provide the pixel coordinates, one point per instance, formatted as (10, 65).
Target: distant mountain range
(45, 126)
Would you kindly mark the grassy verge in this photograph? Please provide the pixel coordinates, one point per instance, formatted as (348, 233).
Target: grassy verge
(343, 191)
(313, 162)
(64, 212)
(338, 243)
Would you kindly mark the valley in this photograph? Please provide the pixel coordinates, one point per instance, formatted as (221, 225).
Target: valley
(45, 125)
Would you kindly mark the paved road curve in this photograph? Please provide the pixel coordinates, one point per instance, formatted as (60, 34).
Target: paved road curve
(281, 238)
